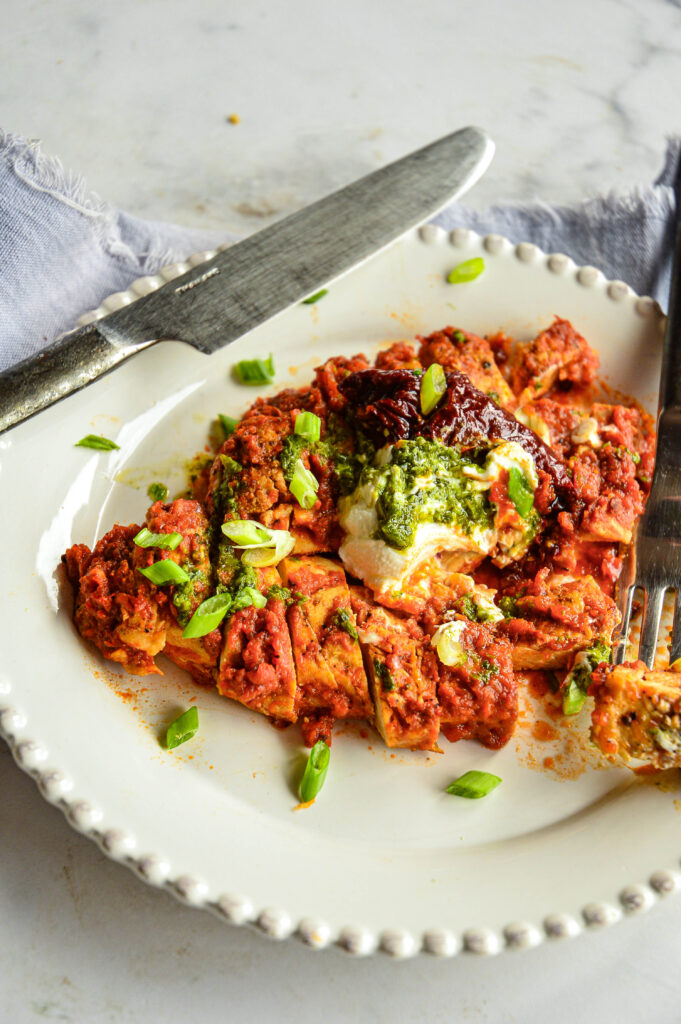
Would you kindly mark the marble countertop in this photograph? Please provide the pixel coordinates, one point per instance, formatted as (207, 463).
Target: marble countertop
(138, 97)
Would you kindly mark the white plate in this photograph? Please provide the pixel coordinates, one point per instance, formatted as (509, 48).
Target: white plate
(385, 859)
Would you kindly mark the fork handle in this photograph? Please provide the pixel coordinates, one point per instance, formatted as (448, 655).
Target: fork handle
(670, 380)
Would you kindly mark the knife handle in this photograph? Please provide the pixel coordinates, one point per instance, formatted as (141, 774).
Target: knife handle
(64, 367)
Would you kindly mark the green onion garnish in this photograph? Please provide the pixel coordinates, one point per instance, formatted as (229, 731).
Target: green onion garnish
(433, 387)
(311, 299)
(466, 271)
(146, 539)
(255, 371)
(102, 444)
(344, 620)
(308, 425)
(208, 616)
(578, 680)
(157, 492)
(249, 596)
(246, 533)
(573, 697)
(473, 785)
(263, 546)
(520, 492)
(165, 571)
(304, 485)
(263, 556)
(183, 728)
(228, 424)
(315, 771)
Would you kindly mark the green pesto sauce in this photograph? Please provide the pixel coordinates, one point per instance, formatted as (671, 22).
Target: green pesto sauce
(234, 576)
(184, 595)
(508, 606)
(283, 593)
(348, 451)
(224, 495)
(472, 611)
(486, 671)
(424, 483)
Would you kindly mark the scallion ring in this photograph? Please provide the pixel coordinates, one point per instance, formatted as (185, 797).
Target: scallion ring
(308, 425)
(520, 492)
(183, 728)
(165, 571)
(247, 533)
(261, 557)
(255, 371)
(466, 271)
(102, 444)
(208, 616)
(311, 299)
(304, 485)
(228, 424)
(433, 387)
(146, 539)
(474, 784)
(247, 597)
(315, 771)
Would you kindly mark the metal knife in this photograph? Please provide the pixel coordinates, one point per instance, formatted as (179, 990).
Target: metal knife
(250, 282)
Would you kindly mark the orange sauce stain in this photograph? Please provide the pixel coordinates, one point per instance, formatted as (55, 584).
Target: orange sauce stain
(301, 807)
(543, 731)
(537, 684)
(549, 763)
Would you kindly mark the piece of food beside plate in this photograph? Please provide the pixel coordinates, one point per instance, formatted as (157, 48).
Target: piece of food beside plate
(400, 542)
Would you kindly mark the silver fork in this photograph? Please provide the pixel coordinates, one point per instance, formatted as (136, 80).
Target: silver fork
(653, 562)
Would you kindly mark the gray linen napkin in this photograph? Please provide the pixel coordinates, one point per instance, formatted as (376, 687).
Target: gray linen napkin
(63, 250)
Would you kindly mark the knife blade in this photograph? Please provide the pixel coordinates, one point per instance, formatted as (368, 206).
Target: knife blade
(252, 281)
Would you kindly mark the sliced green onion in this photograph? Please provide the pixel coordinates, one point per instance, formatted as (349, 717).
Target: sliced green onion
(255, 371)
(315, 771)
(157, 492)
(228, 424)
(249, 596)
(344, 619)
(183, 728)
(208, 616)
(311, 299)
(573, 697)
(264, 556)
(473, 784)
(578, 680)
(146, 539)
(520, 492)
(466, 271)
(165, 571)
(102, 444)
(447, 642)
(247, 533)
(308, 425)
(433, 387)
(304, 485)
(263, 545)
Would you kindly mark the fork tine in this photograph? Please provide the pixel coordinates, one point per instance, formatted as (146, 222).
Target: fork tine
(626, 603)
(650, 626)
(675, 645)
